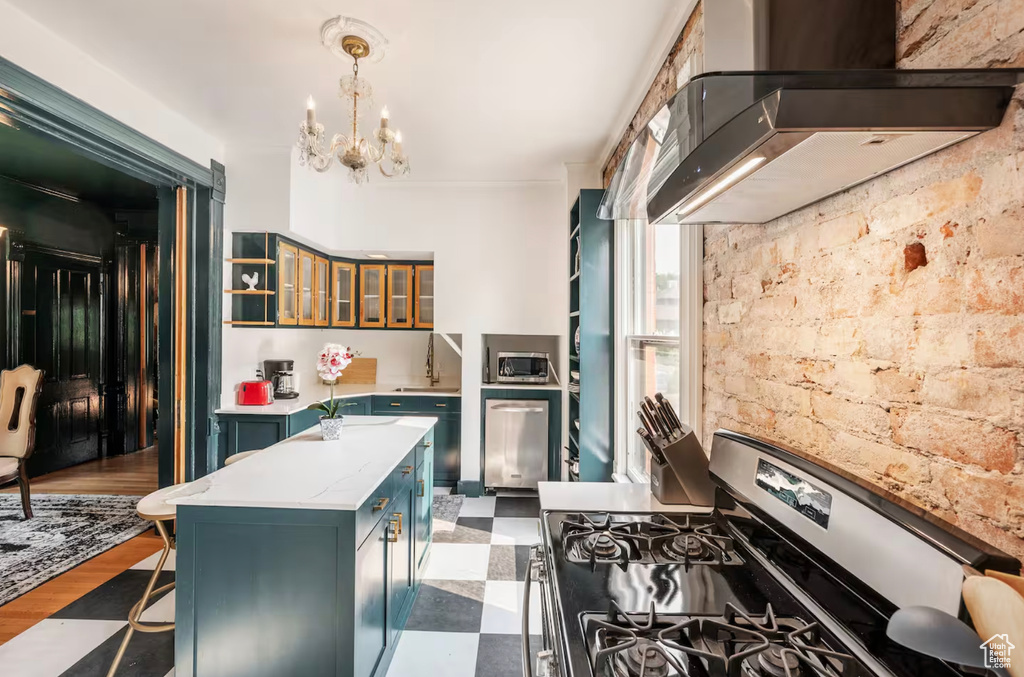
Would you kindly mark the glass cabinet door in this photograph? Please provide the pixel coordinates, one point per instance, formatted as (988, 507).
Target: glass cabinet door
(424, 297)
(400, 293)
(287, 264)
(306, 282)
(371, 291)
(322, 289)
(343, 289)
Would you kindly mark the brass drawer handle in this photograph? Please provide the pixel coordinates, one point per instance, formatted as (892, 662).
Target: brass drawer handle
(399, 516)
(396, 404)
(381, 502)
(392, 534)
(439, 404)
(407, 469)
(428, 444)
(422, 489)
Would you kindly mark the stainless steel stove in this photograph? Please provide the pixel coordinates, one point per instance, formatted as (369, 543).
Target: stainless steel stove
(794, 573)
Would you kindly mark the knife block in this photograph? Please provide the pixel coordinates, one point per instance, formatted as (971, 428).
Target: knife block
(665, 485)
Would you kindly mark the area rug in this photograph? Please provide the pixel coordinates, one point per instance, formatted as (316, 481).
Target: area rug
(446, 511)
(66, 531)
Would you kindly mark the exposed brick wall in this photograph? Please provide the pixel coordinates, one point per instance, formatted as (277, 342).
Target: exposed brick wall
(883, 328)
(690, 42)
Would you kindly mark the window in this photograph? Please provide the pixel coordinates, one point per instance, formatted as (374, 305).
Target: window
(651, 300)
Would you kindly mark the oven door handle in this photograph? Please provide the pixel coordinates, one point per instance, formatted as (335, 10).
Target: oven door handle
(527, 665)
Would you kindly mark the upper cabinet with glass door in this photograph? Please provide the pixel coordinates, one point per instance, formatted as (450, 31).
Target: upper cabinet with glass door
(288, 274)
(322, 291)
(400, 296)
(306, 286)
(424, 310)
(343, 294)
(371, 295)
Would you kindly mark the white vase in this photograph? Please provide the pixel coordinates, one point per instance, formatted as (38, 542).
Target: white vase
(330, 428)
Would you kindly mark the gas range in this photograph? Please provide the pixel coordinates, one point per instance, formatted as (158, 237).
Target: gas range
(793, 573)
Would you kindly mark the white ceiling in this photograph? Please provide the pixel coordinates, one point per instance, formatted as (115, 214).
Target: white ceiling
(482, 90)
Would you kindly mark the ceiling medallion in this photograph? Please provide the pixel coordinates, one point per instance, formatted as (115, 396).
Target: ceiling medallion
(359, 41)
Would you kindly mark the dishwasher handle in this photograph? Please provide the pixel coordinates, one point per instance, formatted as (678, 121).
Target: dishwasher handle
(513, 409)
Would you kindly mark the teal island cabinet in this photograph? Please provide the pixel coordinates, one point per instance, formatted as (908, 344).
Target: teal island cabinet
(305, 558)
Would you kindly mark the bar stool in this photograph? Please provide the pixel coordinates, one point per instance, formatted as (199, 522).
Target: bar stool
(155, 508)
(235, 458)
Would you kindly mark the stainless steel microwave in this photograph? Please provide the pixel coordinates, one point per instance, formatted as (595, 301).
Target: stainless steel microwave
(522, 367)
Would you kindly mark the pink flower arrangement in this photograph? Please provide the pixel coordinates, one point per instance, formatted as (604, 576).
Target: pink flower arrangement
(330, 363)
(333, 359)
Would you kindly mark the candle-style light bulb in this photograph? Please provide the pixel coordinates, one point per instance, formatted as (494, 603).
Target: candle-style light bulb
(398, 141)
(310, 111)
(385, 115)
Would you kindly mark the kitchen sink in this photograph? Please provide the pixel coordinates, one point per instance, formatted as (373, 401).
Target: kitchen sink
(425, 389)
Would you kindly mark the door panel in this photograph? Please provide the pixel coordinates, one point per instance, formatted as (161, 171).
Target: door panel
(400, 295)
(424, 297)
(61, 316)
(343, 301)
(401, 558)
(371, 632)
(372, 295)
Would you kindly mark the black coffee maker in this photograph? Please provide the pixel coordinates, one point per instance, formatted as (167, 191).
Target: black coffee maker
(282, 374)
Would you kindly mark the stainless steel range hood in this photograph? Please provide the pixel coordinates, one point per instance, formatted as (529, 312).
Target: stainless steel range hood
(751, 146)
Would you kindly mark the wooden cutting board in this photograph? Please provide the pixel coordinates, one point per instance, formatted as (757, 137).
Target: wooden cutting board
(997, 609)
(361, 371)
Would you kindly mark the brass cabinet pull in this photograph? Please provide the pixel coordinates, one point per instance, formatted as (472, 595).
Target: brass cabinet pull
(381, 502)
(407, 469)
(439, 404)
(396, 404)
(392, 534)
(422, 489)
(428, 444)
(399, 516)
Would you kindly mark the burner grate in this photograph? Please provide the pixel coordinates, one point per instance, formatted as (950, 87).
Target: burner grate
(732, 645)
(598, 539)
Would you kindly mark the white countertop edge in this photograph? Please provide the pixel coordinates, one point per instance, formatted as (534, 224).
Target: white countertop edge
(322, 394)
(246, 472)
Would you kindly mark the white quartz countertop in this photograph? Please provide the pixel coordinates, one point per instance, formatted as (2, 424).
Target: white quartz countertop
(321, 393)
(304, 471)
(606, 497)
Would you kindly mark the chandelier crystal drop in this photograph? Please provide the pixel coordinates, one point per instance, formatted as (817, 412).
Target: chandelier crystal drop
(359, 41)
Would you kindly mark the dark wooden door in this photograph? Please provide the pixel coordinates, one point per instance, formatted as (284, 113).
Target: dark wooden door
(61, 319)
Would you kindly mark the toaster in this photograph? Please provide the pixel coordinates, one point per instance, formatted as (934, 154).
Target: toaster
(255, 393)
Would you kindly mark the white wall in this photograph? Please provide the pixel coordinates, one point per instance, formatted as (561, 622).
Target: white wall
(46, 55)
(500, 256)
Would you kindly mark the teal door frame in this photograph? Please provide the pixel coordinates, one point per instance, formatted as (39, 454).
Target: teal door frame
(31, 104)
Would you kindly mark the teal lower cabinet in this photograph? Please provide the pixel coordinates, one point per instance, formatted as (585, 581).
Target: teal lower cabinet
(266, 592)
(447, 432)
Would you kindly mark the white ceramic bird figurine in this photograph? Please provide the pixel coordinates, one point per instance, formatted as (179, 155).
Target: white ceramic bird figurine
(251, 280)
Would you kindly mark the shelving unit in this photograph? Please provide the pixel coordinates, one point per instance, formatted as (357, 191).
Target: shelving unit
(252, 307)
(591, 299)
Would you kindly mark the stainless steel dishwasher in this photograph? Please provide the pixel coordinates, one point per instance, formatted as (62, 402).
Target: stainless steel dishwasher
(516, 446)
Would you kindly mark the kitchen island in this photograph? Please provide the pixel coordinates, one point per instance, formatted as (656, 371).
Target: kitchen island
(305, 558)
(244, 428)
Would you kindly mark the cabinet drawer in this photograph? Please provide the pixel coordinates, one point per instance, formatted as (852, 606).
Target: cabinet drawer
(375, 507)
(404, 473)
(382, 404)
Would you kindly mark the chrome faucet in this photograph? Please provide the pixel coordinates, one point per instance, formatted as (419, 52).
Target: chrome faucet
(433, 374)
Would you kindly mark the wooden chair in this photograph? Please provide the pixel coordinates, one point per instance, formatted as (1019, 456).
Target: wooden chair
(19, 394)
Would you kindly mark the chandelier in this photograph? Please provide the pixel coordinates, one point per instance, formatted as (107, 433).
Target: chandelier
(352, 38)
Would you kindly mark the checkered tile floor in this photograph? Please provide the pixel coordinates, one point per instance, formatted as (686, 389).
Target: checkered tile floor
(472, 589)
